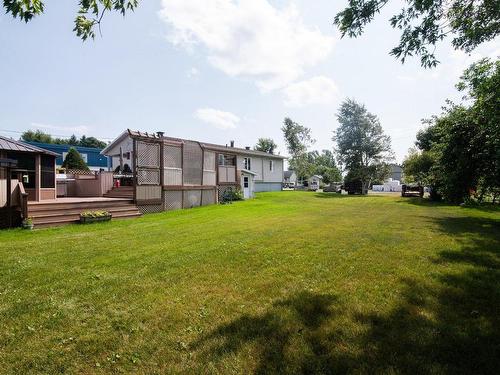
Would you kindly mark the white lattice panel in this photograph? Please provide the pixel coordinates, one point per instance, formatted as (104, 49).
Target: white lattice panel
(172, 157)
(192, 198)
(172, 176)
(148, 176)
(208, 197)
(150, 208)
(173, 200)
(148, 154)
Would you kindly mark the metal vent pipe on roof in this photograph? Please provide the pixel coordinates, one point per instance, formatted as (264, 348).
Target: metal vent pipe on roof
(232, 143)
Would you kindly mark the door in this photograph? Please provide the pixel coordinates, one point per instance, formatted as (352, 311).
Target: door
(246, 187)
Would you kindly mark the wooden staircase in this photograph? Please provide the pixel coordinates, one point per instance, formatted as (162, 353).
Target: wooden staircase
(121, 192)
(67, 211)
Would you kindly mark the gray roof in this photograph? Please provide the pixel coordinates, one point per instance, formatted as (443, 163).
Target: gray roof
(210, 146)
(9, 144)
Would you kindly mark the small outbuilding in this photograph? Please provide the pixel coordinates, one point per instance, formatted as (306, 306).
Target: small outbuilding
(247, 183)
(26, 173)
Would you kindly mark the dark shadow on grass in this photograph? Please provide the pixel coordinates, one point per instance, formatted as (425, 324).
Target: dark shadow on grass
(448, 323)
(339, 196)
(426, 202)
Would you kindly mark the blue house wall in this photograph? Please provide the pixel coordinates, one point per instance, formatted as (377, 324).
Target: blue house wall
(94, 157)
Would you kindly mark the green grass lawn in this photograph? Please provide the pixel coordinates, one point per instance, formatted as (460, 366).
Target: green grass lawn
(287, 283)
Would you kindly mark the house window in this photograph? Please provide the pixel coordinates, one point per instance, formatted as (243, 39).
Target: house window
(227, 160)
(247, 163)
(245, 182)
(271, 165)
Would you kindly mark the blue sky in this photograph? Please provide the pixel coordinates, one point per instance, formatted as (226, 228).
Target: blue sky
(215, 70)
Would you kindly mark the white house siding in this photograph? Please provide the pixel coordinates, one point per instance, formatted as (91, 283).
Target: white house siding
(267, 186)
(260, 166)
(276, 175)
(265, 180)
(255, 164)
(127, 147)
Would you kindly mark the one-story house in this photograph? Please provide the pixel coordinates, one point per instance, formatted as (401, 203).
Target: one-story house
(171, 173)
(90, 155)
(289, 178)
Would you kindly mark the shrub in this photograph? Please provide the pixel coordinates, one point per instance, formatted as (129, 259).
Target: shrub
(231, 195)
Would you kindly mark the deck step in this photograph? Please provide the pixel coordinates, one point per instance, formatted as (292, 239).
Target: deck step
(121, 192)
(64, 212)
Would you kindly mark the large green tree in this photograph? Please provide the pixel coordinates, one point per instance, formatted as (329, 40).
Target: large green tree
(266, 145)
(74, 160)
(89, 16)
(423, 23)
(361, 145)
(298, 138)
(40, 136)
(464, 141)
(323, 164)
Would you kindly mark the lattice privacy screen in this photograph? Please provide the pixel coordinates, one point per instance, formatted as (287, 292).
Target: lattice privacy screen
(192, 198)
(172, 157)
(222, 189)
(209, 178)
(148, 176)
(209, 161)
(145, 193)
(148, 154)
(172, 176)
(192, 168)
(173, 200)
(208, 197)
(150, 208)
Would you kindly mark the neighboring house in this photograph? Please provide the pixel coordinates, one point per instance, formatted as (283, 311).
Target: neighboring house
(289, 177)
(92, 156)
(172, 173)
(396, 172)
(314, 182)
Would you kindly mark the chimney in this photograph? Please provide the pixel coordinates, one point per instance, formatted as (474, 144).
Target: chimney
(160, 134)
(232, 143)
(247, 148)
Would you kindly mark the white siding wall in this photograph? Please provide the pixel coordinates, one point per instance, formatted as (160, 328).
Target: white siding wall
(276, 175)
(260, 165)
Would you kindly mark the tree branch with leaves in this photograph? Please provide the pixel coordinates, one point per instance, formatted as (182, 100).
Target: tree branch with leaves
(424, 23)
(88, 18)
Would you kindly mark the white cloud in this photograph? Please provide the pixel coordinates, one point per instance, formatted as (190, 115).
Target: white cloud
(217, 118)
(193, 73)
(80, 130)
(317, 90)
(248, 38)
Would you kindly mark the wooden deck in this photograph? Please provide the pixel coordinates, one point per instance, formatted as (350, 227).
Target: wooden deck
(61, 211)
(76, 200)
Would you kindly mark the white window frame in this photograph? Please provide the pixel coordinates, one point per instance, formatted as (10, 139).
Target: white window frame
(247, 163)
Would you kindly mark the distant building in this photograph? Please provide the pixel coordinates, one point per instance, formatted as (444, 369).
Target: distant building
(396, 172)
(92, 156)
(289, 177)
